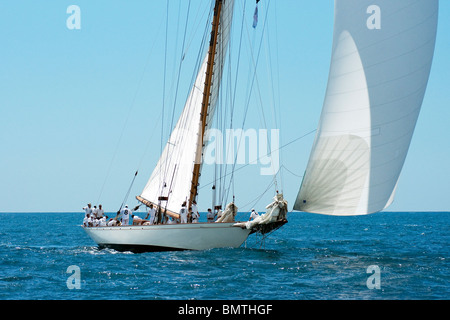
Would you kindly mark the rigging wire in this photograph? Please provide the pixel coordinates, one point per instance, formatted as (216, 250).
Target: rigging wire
(165, 167)
(168, 162)
(255, 64)
(129, 112)
(128, 193)
(278, 95)
(164, 79)
(255, 161)
(272, 91)
(198, 18)
(180, 64)
(224, 168)
(294, 174)
(148, 143)
(178, 137)
(255, 201)
(274, 104)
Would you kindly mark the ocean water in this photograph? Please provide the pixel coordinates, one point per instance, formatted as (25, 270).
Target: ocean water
(385, 256)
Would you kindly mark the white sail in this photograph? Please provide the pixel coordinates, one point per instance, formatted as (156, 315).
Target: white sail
(381, 60)
(172, 175)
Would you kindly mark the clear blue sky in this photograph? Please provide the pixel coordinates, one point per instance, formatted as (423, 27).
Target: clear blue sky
(79, 107)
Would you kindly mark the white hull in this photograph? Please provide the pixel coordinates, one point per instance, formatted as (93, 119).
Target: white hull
(193, 236)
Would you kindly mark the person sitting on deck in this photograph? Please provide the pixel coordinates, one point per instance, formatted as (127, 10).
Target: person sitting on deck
(137, 221)
(87, 220)
(112, 223)
(102, 221)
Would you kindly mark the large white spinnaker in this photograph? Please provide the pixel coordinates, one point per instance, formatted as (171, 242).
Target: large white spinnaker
(172, 176)
(381, 60)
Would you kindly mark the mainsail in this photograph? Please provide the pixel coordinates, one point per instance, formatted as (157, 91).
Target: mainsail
(381, 60)
(172, 177)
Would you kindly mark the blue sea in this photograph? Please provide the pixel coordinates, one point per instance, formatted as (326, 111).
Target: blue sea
(384, 256)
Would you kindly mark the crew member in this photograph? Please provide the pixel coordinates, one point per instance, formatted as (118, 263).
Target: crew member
(125, 212)
(253, 215)
(183, 213)
(151, 214)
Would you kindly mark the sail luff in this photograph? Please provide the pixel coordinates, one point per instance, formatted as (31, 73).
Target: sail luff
(381, 60)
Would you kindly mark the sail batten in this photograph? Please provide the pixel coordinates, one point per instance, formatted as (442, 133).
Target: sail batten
(381, 60)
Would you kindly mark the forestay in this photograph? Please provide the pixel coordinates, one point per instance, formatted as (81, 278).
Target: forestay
(381, 60)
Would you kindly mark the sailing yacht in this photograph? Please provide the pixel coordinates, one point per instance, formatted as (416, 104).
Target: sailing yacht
(381, 60)
(175, 178)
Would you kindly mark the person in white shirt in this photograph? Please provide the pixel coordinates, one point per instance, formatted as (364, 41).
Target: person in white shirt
(151, 214)
(112, 223)
(86, 220)
(100, 211)
(87, 210)
(94, 212)
(102, 222)
(183, 213)
(253, 215)
(125, 213)
(195, 214)
(137, 221)
(90, 221)
(210, 216)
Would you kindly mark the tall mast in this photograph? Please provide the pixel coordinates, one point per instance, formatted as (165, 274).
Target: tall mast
(206, 98)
